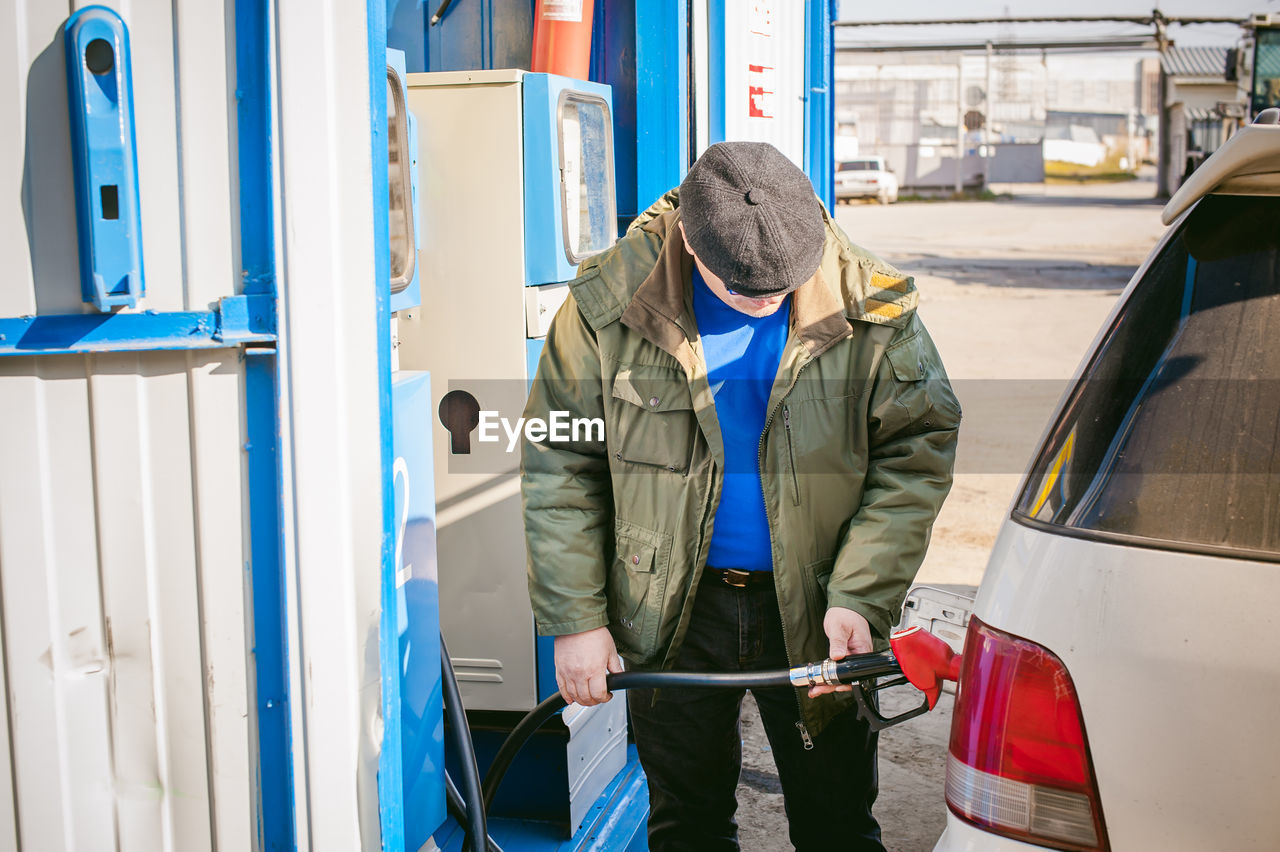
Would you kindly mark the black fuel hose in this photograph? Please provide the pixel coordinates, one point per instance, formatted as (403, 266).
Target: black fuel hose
(847, 671)
(477, 835)
(460, 812)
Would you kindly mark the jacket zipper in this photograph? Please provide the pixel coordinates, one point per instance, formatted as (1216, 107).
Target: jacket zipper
(791, 454)
(696, 574)
(670, 468)
(702, 529)
(782, 619)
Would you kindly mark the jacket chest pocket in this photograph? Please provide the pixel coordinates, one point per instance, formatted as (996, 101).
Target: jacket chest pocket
(651, 419)
(634, 592)
(820, 432)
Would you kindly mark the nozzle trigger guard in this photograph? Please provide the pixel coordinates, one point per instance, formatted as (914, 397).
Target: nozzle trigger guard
(867, 708)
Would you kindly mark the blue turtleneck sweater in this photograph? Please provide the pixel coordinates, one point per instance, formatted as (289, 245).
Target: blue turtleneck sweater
(742, 354)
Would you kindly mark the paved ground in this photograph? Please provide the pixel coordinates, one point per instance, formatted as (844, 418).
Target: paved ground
(1012, 291)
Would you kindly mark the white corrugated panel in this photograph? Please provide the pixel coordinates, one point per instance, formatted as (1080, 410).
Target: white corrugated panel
(122, 576)
(764, 74)
(183, 73)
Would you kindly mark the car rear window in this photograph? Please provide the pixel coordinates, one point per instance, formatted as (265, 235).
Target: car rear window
(859, 166)
(1172, 435)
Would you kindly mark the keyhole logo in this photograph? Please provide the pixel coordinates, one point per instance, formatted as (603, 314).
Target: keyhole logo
(460, 414)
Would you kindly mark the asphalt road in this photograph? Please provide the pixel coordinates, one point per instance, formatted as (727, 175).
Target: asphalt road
(1013, 291)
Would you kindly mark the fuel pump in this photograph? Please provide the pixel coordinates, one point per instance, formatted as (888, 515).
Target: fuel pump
(521, 192)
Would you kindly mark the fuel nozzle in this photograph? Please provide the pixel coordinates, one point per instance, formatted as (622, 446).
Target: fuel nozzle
(847, 671)
(915, 656)
(926, 660)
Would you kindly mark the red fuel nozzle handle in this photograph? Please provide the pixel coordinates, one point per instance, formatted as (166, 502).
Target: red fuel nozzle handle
(926, 660)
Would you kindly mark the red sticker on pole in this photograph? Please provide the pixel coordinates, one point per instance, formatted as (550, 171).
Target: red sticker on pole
(761, 82)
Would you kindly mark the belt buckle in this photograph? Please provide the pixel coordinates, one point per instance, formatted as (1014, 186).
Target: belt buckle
(735, 577)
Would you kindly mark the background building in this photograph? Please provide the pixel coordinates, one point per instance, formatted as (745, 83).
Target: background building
(952, 119)
(1204, 102)
(924, 113)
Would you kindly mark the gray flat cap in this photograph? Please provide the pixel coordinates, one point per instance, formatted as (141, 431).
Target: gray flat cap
(752, 218)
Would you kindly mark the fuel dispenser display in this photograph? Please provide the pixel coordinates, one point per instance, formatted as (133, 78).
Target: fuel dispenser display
(521, 192)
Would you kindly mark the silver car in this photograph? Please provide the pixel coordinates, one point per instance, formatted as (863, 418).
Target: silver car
(1122, 667)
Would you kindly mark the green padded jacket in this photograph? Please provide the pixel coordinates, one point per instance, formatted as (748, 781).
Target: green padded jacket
(855, 460)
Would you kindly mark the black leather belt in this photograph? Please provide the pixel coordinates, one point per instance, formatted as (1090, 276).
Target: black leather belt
(738, 578)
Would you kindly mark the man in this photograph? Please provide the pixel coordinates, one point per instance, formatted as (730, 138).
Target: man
(779, 437)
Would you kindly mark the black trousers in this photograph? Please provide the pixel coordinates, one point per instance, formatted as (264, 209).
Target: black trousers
(690, 740)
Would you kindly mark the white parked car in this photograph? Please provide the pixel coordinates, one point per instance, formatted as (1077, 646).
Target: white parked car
(866, 177)
(1121, 679)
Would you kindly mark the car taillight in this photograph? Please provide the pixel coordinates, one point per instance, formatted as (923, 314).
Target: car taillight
(1019, 761)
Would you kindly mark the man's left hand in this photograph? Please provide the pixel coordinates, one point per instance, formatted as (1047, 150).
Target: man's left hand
(848, 633)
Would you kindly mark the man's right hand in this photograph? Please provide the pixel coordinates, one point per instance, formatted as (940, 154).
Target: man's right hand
(582, 661)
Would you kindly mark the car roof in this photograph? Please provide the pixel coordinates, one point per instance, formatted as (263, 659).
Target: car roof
(1248, 164)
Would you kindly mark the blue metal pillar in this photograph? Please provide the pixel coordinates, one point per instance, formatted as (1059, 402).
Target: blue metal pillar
(662, 98)
(613, 62)
(270, 643)
(255, 143)
(715, 71)
(819, 123)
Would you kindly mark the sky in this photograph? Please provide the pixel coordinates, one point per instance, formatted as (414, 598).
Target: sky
(1188, 36)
